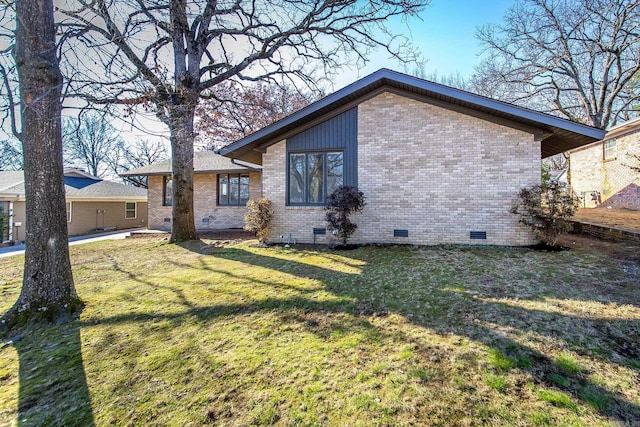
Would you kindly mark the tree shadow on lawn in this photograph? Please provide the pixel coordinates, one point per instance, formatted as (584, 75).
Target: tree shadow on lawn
(53, 383)
(445, 308)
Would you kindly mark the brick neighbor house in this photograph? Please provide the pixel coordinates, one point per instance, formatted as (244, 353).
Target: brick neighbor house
(222, 188)
(600, 172)
(436, 164)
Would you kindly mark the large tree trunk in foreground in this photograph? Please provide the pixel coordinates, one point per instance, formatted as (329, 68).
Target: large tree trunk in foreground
(48, 293)
(181, 125)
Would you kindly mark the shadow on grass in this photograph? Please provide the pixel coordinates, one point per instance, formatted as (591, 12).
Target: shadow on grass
(53, 384)
(474, 316)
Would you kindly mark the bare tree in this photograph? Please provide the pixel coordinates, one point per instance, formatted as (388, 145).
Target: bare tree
(164, 55)
(10, 154)
(141, 153)
(48, 292)
(453, 79)
(575, 58)
(90, 141)
(236, 110)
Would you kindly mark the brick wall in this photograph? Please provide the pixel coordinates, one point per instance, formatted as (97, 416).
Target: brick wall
(208, 215)
(437, 173)
(617, 183)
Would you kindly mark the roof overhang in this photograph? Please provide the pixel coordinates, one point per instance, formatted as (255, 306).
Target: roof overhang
(198, 172)
(11, 197)
(106, 199)
(557, 135)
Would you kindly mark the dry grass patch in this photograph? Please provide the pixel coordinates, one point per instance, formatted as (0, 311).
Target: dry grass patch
(199, 334)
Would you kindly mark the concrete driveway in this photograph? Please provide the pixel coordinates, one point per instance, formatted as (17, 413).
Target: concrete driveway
(77, 240)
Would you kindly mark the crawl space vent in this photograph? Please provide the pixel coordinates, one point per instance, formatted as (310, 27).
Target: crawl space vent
(400, 233)
(319, 231)
(480, 235)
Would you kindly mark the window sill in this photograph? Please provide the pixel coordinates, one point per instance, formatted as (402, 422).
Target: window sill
(304, 207)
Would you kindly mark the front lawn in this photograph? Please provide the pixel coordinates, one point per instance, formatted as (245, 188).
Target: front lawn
(375, 336)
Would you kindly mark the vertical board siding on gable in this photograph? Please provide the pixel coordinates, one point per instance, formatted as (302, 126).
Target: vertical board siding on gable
(340, 133)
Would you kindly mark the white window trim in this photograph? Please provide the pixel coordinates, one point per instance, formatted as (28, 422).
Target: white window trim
(611, 150)
(70, 212)
(135, 210)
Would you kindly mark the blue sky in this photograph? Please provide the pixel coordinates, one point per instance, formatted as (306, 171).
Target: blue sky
(445, 36)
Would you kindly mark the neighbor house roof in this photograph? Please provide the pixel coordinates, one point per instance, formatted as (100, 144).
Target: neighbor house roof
(558, 135)
(203, 162)
(623, 128)
(78, 186)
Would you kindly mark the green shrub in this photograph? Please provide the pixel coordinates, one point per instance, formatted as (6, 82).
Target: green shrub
(258, 218)
(546, 208)
(344, 201)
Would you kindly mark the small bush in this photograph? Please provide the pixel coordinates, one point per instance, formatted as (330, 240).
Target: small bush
(258, 218)
(344, 201)
(546, 208)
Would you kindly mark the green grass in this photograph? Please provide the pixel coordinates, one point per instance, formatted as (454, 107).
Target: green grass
(375, 336)
(569, 364)
(558, 399)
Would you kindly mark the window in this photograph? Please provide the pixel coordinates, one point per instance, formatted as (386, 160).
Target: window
(609, 149)
(68, 211)
(167, 191)
(313, 176)
(130, 210)
(233, 189)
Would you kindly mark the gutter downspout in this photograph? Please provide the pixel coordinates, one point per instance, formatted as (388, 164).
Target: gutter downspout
(235, 162)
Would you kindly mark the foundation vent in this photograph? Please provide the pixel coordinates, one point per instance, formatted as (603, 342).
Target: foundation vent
(478, 235)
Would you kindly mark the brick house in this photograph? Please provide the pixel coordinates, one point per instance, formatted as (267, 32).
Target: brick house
(221, 190)
(600, 172)
(436, 164)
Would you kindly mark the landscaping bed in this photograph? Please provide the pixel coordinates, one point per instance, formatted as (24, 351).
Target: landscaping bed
(236, 334)
(626, 219)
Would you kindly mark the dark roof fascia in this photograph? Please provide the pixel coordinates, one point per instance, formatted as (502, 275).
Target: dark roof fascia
(384, 77)
(198, 172)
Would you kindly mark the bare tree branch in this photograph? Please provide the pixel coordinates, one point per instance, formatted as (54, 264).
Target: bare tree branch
(574, 58)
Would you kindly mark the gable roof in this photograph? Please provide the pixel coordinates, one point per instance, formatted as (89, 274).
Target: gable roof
(78, 185)
(203, 162)
(558, 134)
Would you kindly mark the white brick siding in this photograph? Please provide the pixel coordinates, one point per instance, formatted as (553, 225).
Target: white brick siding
(435, 172)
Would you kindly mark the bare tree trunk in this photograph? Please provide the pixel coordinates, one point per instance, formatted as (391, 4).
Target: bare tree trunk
(181, 125)
(48, 292)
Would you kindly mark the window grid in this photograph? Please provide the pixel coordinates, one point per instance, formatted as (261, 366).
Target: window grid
(167, 192)
(69, 212)
(233, 189)
(609, 150)
(313, 176)
(130, 210)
